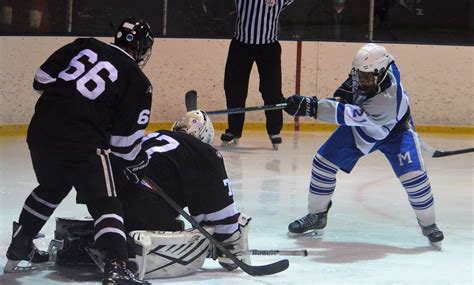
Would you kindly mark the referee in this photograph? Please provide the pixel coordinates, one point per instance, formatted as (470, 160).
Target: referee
(255, 40)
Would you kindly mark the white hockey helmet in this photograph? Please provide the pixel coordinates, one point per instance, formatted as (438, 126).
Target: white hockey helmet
(369, 67)
(196, 123)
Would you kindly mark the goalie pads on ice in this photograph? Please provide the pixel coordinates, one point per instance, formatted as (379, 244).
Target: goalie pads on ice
(169, 254)
(237, 242)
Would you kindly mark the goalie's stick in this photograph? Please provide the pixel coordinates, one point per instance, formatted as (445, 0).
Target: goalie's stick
(282, 252)
(191, 101)
(249, 269)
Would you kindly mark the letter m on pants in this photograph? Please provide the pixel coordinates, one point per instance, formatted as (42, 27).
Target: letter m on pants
(404, 158)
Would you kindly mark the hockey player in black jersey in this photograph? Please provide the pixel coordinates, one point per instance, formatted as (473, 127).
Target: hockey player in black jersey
(192, 172)
(185, 165)
(95, 100)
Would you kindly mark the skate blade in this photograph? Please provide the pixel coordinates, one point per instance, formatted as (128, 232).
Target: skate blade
(275, 147)
(436, 245)
(310, 233)
(22, 266)
(234, 143)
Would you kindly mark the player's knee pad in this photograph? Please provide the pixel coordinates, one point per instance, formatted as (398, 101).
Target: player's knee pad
(169, 254)
(237, 244)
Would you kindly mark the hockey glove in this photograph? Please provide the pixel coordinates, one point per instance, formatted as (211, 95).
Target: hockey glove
(302, 106)
(344, 93)
(137, 169)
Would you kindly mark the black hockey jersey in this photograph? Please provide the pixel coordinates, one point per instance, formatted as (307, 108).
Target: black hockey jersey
(93, 95)
(189, 171)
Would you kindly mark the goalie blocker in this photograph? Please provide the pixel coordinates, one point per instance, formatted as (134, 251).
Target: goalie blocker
(157, 254)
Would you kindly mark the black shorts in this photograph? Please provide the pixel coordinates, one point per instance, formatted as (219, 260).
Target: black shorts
(89, 172)
(143, 210)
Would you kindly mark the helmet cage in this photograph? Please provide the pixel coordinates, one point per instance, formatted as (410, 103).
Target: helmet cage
(197, 124)
(367, 82)
(369, 68)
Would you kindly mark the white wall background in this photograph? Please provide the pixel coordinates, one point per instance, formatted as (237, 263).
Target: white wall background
(439, 79)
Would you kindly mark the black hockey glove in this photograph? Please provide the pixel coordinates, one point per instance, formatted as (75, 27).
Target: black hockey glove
(344, 93)
(136, 170)
(302, 106)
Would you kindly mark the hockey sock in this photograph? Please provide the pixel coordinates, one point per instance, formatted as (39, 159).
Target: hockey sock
(109, 232)
(38, 207)
(322, 185)
(417, 186)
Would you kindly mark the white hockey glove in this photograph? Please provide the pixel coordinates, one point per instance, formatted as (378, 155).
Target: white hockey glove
(237, 243)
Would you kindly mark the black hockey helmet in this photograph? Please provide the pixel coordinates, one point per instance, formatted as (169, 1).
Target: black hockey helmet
(135, 36)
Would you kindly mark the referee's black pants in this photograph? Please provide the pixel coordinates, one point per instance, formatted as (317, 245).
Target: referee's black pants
(236, 80)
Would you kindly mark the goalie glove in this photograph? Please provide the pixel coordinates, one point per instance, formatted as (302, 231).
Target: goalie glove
(236, 243)
(297, 105)
(136, 170)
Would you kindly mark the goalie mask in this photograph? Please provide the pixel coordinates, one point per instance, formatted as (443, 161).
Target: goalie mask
(369, 68)
(136, 37)
(198, 124)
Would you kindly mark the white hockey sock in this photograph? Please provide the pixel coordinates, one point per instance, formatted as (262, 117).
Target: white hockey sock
(322, 185)
(417, 186)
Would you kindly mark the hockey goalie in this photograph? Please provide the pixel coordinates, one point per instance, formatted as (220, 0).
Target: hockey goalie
(186, 166)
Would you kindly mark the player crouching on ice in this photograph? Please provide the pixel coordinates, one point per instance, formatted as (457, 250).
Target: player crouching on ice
(372, 110)
(185, 165)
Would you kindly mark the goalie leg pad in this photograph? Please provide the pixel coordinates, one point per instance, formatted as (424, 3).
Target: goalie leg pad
(169, 254)
(236, 243)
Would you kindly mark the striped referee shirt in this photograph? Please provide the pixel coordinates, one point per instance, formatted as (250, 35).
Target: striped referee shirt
(257, 20)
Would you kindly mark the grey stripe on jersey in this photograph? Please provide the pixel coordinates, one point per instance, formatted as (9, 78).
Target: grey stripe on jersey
(134, 140)
(218, 215)
(125, 141)
(257, 20)
(44, 78)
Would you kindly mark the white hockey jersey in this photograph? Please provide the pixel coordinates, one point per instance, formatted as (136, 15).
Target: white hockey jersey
(371, 119)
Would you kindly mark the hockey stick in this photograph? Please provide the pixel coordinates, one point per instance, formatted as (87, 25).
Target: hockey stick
(249, 269)
(191, 104)
(190, 99)
(439, 153)
(248, 109)
(287, 252)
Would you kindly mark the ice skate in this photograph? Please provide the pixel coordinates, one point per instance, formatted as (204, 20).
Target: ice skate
(116, 272)
(434, 235)
(276, 140)
(229, 140)
(311, 224)
(22, 254)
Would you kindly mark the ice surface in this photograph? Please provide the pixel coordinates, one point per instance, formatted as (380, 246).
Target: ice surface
(372, 236)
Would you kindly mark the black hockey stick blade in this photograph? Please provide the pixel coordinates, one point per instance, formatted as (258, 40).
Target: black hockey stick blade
(260, 270)
(190, 99)
(248, 109)
(439, 153)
